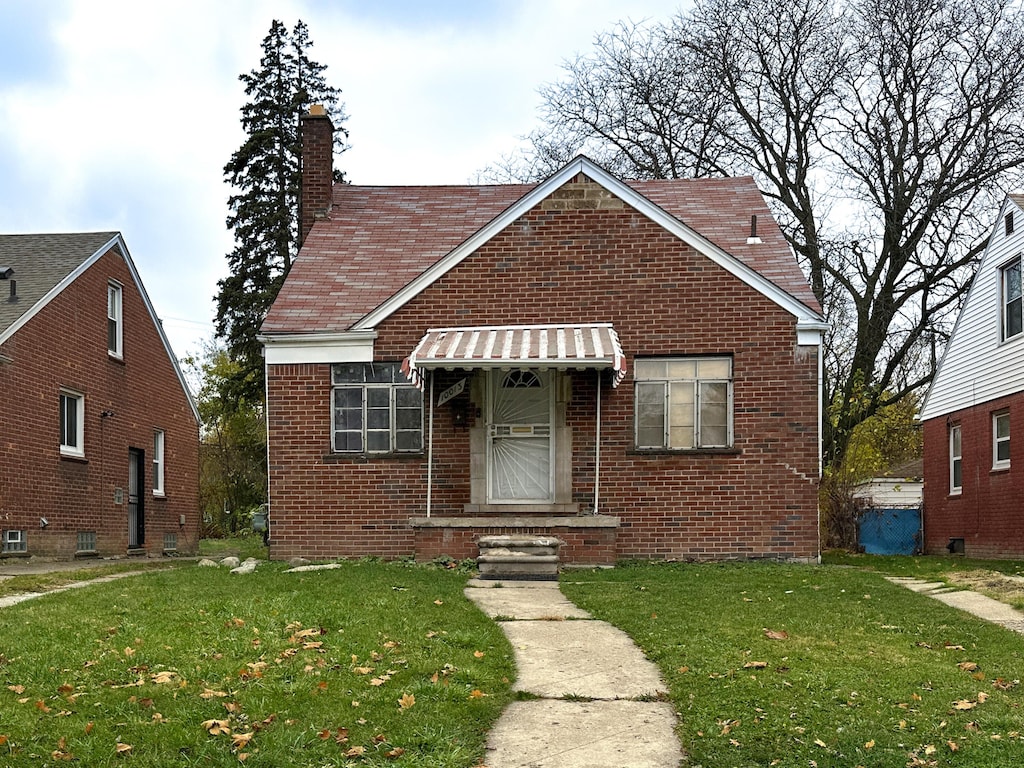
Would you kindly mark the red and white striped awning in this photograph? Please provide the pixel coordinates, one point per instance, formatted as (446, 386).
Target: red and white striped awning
(594, 345)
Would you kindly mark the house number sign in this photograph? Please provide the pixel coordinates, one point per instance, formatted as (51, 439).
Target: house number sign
(455, 389)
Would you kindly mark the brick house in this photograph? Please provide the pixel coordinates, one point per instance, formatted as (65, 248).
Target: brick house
(974, 413)
(98, 431)
(632, 367)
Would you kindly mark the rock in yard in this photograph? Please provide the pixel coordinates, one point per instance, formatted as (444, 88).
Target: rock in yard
(231, 562)
(207, 563)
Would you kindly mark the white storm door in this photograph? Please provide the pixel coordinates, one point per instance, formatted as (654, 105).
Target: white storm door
(519, 437)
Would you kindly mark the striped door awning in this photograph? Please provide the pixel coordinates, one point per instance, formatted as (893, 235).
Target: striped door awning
(594, 345)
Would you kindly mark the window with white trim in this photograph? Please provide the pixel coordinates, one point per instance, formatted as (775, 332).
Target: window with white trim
(683, 403)
(1011, 301)
(15, 541)
(72, 423)
(115, 313)
(158, 462)
(375, 409)
(956, 480)
(1001, 440)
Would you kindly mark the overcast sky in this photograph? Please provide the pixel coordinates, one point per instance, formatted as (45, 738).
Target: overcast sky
(121, 115)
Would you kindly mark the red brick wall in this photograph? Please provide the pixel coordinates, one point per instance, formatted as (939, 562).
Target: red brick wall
(65, 345)
(579, 266)
(987, 514)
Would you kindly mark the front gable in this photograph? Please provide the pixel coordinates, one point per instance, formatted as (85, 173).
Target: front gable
(582, 185)
(979, 364)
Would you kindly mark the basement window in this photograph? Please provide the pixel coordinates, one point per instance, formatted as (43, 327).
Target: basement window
(86, 542)
(15, 541)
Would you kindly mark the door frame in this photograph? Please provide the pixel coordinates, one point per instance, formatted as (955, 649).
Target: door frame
(549, 381)
(137, 500)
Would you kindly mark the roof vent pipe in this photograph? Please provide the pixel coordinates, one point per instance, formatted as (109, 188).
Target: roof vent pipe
(753, 239)
(14, 291)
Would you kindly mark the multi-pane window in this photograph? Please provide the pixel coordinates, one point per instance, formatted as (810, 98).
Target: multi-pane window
(1000, 440)
(158, 462)
(15, 541)
(375, 409)
(956, 480)
(1013, 318)
(85, 541)
(115, 335)
(72, 423)
(683, 402)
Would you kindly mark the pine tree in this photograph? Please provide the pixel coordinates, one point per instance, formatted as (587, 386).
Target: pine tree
(265, 174)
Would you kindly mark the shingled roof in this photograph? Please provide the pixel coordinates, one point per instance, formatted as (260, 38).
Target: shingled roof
(40, 263)
(377, 240)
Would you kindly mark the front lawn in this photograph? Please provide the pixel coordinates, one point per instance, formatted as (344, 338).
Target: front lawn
(369, 664)
(790, 665)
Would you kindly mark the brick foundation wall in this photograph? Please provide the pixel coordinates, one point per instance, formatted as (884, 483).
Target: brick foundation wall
(65, 346)
(756, 500)
(987, 514)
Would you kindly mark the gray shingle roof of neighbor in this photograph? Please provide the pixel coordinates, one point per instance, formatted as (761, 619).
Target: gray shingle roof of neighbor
(378, 239)
(40, 262)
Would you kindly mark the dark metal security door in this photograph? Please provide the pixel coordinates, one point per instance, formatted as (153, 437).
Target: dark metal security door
(136, 497)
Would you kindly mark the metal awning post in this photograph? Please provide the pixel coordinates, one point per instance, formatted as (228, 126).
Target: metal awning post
(430, 444)
(597, 446)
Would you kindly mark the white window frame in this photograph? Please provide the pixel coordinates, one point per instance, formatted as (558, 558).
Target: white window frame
(115, 319)
(956, 460)
(698, 384)
(373, 381)
(1008, 306)
(159, 441)
(68, 448)
(14, 541)
(1000, 441)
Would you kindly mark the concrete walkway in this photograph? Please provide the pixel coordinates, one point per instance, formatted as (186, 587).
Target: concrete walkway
(598, 696)
(972, 602)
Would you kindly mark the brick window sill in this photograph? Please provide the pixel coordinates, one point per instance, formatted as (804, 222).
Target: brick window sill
(73, 458)
(365, 458)
(685, 452)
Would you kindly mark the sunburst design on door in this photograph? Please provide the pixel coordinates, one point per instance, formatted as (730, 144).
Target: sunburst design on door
(520, 437)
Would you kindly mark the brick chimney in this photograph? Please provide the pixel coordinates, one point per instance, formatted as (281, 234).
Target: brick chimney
(317, 168)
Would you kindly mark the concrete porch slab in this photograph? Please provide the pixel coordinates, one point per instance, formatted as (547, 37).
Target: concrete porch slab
(542, 600)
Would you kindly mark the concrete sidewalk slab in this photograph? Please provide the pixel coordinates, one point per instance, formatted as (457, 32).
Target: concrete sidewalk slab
(580, 658)
(543, 602)
(972, 602)
(574, 734)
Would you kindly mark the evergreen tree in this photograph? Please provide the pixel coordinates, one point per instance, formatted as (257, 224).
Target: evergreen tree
(265, 174)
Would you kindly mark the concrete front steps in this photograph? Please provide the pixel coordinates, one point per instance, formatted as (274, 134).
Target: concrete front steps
(522, 557)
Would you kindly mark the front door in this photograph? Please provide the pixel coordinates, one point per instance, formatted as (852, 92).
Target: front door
(136, 499)
(519, 437)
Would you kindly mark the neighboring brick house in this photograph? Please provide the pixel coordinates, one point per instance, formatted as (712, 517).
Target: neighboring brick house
(624, 365)
(974, 413)
(98, 431)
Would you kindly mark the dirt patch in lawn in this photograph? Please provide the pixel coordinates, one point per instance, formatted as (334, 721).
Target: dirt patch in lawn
(998, 586)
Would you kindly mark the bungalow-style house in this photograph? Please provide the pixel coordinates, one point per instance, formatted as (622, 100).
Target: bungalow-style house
(631, 367)
(974, 468)
(98, 431)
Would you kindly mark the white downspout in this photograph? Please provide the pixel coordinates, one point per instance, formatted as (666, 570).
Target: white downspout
(430, 444)
(597, 446)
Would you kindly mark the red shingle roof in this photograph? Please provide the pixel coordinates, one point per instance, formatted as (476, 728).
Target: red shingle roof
(376, 240)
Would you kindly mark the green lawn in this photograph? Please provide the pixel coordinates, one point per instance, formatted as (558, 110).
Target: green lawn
(790, 665)
(369, 664)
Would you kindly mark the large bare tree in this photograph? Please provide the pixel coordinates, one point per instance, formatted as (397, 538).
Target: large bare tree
(883, 132)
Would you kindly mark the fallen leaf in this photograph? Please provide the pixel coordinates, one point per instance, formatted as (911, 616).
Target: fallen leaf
(18, 689)
(123, 749)
(41, 706)
(477, 694)
(217, 727)
(129, 651)
(162, 678)
(776, 634)
(363, 670)
(821, 743)
(953, 746)
(1003, 685)
(211, 694)
(398, 752)
(964, 704)
(380, 738)
(65, 689)
(982, 697)
(355, 751)
(241, 740)
(479, 654)
(952, 647)
(406, 701)
(683, 670)
(929, 749)
(88, 727)
(755, 665)
(439, 602)
(869, 744)
(967, 666)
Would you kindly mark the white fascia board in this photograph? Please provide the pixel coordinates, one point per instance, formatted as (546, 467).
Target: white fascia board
(809, 332)
(343, 347)
(628, 195)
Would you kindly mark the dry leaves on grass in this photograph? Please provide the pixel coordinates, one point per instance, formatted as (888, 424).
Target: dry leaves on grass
(406, 702)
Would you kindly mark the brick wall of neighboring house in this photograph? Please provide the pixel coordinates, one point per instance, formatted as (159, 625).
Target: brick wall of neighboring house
(65, 346)
(987, 514)
(578, 266)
